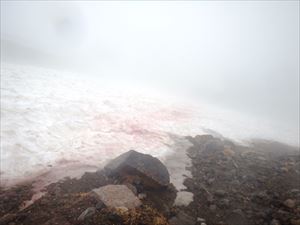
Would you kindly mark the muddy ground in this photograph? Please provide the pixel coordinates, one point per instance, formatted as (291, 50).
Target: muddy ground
(232, 184)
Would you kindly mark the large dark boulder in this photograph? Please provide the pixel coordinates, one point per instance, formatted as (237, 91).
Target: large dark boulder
(135, 167)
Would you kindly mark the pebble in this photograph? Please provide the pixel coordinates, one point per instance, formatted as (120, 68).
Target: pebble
(142, 196)
(290, 203)
(87, 213)
(122, 209)
(220, 193)
(200, 219)
(224, 203)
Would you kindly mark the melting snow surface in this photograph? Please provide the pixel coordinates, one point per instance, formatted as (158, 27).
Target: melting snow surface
(56, 124)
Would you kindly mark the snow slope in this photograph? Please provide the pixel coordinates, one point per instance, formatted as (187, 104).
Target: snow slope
(55, 124)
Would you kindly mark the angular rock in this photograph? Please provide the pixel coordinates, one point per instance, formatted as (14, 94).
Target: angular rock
(134, 165)
(117, 196)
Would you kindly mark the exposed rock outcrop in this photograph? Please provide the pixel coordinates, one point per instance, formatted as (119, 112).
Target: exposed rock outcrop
(139, 168)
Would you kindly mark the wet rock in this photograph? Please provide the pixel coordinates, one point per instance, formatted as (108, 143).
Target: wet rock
(182, 219)
(117, 196)
(87, 213)
(148, 169)
(290, 203)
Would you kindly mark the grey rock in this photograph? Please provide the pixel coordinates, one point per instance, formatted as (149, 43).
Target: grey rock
(87, 213)
(117, 196)
(148, 169)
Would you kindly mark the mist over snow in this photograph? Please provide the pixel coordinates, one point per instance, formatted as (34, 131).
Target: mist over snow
(82, 82)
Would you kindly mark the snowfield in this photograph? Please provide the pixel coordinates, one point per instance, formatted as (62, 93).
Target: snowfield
(56, 124)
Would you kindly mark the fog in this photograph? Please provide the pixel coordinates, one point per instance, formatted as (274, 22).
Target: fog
(236, 54)
(240, 57)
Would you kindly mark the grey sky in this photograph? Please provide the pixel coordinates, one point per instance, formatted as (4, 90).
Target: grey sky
(240, 54)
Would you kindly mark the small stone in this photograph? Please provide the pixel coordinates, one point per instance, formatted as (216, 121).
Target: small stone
(115, 218)
(220, 193)
(224, 203)
(203, 224)
(142, 196)
(290, 203)
(121, 210)
(210, 181)
(293, 191)
(228, 152)
(87, 213)
(200, 219)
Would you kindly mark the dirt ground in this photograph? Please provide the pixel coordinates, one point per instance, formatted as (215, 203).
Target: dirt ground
(232, 185)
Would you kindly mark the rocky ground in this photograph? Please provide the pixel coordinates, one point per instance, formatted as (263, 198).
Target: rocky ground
(232, 185)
